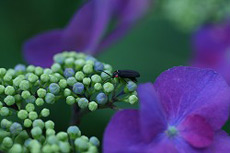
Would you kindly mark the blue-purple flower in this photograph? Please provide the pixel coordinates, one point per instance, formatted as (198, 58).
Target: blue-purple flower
(88, 30)
(182, 112)
(211, 45)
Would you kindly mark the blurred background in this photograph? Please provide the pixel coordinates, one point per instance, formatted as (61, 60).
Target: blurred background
(153, 45)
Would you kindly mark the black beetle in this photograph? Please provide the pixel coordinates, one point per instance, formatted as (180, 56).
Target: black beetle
(129, 74)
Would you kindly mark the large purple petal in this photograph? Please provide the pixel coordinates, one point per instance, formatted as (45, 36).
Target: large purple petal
(87, 27)
(122, 134)
(152, 119)
(196, 131)
(39, 50)
(187, 90)
(125, 13)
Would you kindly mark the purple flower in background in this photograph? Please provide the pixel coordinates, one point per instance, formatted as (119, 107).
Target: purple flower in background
(87, 30)
(211, 45)
(182, 112)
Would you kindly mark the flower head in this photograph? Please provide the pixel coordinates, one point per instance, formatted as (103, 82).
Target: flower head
(212, 48)
(183, 111)
(86, 31)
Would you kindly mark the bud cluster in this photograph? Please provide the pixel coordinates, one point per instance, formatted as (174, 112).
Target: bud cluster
(81, 80)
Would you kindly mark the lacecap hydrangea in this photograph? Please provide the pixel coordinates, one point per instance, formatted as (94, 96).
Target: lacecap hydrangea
(27, 90)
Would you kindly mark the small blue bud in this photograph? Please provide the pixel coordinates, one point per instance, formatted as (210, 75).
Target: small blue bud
(98, 66)
(54, 88)
(30, 99)
(131, 86)
(69, 72)
(20, 68)
(78, 88)
(94, 141)
(101, 98)
(15, 128)
(90, 58)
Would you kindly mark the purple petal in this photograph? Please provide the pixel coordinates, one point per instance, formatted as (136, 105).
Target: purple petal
(211, 45)
(152, 119)
(221, 143)
(165, 146)
(196, 131)
(126, 13)
(122, 133)
(39, 50)
(87, 27)
(186, 90)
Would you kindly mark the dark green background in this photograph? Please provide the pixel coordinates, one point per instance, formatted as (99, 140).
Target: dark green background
(151, 47)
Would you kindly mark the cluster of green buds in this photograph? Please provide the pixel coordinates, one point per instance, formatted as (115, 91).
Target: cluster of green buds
(75, 79)
(190, 14)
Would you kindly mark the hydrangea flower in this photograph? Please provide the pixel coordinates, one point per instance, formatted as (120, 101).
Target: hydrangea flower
(87, 30)
(211, 45)
(183, 111)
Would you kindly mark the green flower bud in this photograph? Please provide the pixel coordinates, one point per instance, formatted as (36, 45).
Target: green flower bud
(30, 107)
(38, 123)
(50, 98)
(108, 67)
(62, 136)
(131, 86)
(96, 78)
(32, 78)
(86, 81)
(94, 141)
(27, 123)
(69, 61)
(59, 58)
(53, 78)
(84, 138)
(98, 86)
(48, 71)
(83, 103)
(81, 144)
(30, 99)
(5, 124)
(62, 83)
(44, 77)
(24, 85)
(93, 106)
(73, 132)
(79, 76)
(39, 102)
(18, 79)
(64, 147)
(56, 67)
(30, 68)
(36, 132)
(67, 92)
(7, 78)
(52, 139)
(33, 115)
(71, 81)
(88, 69)
(18, 98)
(34, 146)
(9, 90)
(50, 132)
(25, 94)
(16, 148)
(41, 92)
(108, 87)
(15, 128)
(79, 64)
(55, 148)
(9, 100)
(45, 112)
(2, 71)
(22, 114)
(38, 71)
(2, 89)
(133, 99)
(4, 111)
(49, 124)
(7, 142)
(70, 100)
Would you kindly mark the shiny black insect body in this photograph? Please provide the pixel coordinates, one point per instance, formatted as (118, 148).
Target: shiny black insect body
(125, 74)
